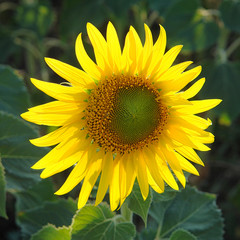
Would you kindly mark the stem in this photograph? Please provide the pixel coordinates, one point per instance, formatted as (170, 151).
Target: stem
(221, 55)
(157, 237)
(233, 47)
(126, 212)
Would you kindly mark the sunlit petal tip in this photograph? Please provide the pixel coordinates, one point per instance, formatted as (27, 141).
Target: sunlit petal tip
(32, 141)
(61, 191)
(175, 187)
(110, 25)
(163, 32)
(179, 47)
(89, 24)
(80, 204)
(37, 83)
(91, 27)
(199, 68)
(209, 121)
(197, 173)
(146, 27)
(28, 116)
(48, 60)
(36, 166)
(132, 29)
(161, 27)
(44, 175)
(218, 101)
(34, 80)
(58, 193)
(24, 115)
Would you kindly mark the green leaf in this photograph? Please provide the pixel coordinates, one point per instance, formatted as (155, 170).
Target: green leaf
(187, 26)
(190, 210)
(2, 191)
(162, 6)
(35, 196)
(97, 12)
(146, 234)
(7, 45)
(59, 213)
(119, 8)
(180, 14)
(100, 223)
(168, 194)
(182, 234)
(50, 232)
(137, 204)
(18, 155)
(230, 12)
(223, 77)
(13, 94)
(78, 13)
(36, 16)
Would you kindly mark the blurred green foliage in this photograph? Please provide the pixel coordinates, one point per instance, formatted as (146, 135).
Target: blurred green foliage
(33, 29)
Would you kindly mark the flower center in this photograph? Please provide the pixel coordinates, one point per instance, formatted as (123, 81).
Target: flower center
(125, 114)
(136, 114)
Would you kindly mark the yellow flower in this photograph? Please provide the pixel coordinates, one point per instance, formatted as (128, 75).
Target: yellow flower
(123, 117)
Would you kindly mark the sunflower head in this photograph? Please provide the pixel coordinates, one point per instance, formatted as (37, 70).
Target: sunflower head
(123, 117)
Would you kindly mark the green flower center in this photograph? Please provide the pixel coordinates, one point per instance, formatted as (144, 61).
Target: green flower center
(136, 114)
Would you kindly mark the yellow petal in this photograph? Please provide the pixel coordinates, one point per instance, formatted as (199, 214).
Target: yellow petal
(131, 173)
(152, 183)
(194, 89)
(190, 154)
(174, 71)
(197, 121)
(127, 176)
(126, 61)
(56, 136)
(63, 164)
(107, 170)
(74, 75)
(157, 53)
(171, 100)
(179, 121)
(186, 165)
(114, 192)
(174, 164)
(89, 182)
(142, 176)
(164, 170)
(114, 46)
(59, 107)
(60, 92)
(100, 48)
(146, 55)
(160, 45)
(199, 106)
(183, 138)
(179, 83)
(151, 163)
(135, 50)
(62, 150)
(85, 61)
(168, 59)
(52, 119)
(78, 172)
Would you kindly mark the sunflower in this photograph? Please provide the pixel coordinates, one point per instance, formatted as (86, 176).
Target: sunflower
(122, 118)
